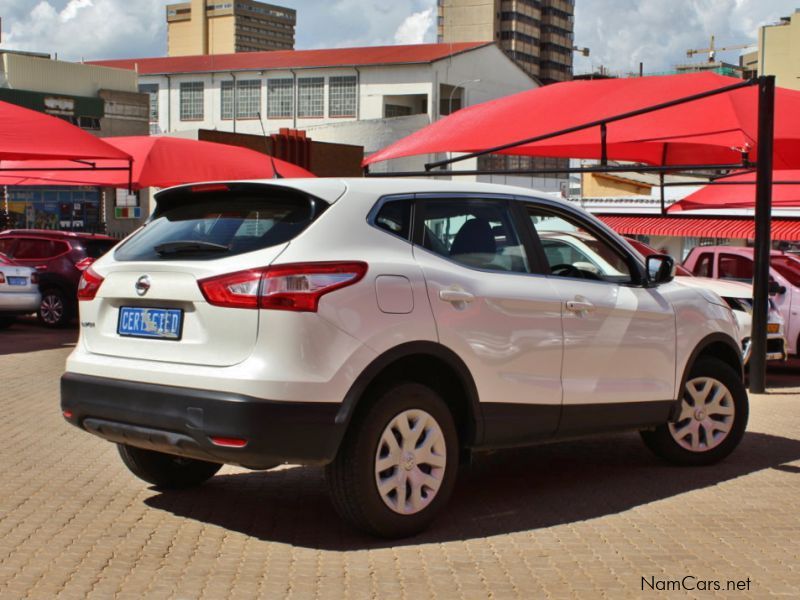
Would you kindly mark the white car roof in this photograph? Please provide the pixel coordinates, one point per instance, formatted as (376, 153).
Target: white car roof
(331, 189)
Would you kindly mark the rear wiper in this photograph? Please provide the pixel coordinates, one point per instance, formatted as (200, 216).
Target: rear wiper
(179, 246)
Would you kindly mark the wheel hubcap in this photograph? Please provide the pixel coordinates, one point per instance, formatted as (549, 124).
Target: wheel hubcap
(707, 413)
(410, 461)
(52, 308)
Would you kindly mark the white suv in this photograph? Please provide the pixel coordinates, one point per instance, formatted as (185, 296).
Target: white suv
(385, 329)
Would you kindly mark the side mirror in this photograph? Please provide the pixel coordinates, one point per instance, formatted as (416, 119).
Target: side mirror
(776, 288)
(660, 269)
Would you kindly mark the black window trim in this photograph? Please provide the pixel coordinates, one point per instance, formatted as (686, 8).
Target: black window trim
(372, 215)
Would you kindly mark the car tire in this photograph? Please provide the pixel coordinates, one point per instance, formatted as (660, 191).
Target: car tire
(712, 420)
(54, 310)
(166, 471)
(6, 322)
(410, 432)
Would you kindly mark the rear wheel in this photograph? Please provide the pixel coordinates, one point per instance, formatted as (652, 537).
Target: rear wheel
(54, 310)
(712, 419)
(398, 463)
(165, 470)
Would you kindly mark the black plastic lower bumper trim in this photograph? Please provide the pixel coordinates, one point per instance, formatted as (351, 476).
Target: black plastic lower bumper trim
(181, 421)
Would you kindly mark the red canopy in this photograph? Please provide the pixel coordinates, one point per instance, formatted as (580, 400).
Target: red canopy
(28, 134)
(158, 162)
(712, 130)
(739, 191)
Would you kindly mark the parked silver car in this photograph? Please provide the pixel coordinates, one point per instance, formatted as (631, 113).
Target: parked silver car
(19, 291)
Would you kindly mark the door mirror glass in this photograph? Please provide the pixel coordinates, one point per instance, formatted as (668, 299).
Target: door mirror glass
(660, 269)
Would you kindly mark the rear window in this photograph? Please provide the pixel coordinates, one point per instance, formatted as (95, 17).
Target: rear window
(207, 225)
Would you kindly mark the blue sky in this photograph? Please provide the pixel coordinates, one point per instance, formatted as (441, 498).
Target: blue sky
(620, 33)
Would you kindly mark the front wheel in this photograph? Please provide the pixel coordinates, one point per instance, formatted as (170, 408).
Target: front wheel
(166, 471)
(398, 463)
(712, 419)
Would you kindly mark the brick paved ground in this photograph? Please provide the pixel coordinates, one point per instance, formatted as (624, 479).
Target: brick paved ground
(584, 519)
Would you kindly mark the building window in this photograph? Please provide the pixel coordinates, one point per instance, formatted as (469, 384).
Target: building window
(191, 100)
(248, 99)
(342, 96)
(311, 97)
(152, 90)
(280, 98)
(396, 110)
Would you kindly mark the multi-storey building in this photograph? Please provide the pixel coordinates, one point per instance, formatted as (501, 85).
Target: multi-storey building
(537, 34)
(218, 27)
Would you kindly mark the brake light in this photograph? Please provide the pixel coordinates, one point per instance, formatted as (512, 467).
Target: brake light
(210, 187)
(34, 277)
(89, 284)
(2, 278)
(83, 264)
(296, 287)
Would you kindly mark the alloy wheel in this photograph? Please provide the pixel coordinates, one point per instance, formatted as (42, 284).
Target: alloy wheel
(707, 414)
(410, 461)
(52, 309)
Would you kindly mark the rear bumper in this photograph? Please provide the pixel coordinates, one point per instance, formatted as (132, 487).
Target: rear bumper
(20, 302)
(182, 421)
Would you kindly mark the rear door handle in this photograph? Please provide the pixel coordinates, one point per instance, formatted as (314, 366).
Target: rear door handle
(578, 306)
(455, 296)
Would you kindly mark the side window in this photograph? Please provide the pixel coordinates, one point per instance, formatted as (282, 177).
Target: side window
(395, 217)
(475, 233)
(573, 251)
(735, 267)
(703, 266)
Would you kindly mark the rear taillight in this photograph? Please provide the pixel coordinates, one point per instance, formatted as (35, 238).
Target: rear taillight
(2, 278)
(89, 284)
(296, 287)
(34, 277)
(84, 264)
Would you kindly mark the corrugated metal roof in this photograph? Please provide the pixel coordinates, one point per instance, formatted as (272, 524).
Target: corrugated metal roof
(294, 59)
(782, 229)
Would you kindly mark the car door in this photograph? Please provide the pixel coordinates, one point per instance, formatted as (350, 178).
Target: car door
(503, 320)
(619, 336)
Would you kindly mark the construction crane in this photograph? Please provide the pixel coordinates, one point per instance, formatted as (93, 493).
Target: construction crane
(712, 49)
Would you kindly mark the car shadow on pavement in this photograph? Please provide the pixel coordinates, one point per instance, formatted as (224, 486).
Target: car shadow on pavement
(505, 492)
(27, 335)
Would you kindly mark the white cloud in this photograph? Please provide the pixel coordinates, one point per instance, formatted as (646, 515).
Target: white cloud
(623, 33)
(72, 9)
(415, 28)
(77, 29)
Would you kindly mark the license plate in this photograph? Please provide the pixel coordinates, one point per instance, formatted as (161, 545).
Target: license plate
(17, 280)
(158, 323)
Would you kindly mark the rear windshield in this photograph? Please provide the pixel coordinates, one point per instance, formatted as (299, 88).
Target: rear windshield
(207, 225)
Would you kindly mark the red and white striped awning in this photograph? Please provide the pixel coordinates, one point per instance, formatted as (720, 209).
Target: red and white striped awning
(782, 229)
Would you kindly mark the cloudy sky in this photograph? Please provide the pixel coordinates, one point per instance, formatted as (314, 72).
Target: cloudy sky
(620, 33)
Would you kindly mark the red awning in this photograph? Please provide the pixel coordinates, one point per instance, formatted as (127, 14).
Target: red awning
(739, 191)
(782, 229)
(712, 130)
(158, 161)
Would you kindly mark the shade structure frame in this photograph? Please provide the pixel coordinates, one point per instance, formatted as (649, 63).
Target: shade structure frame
(765, 113)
